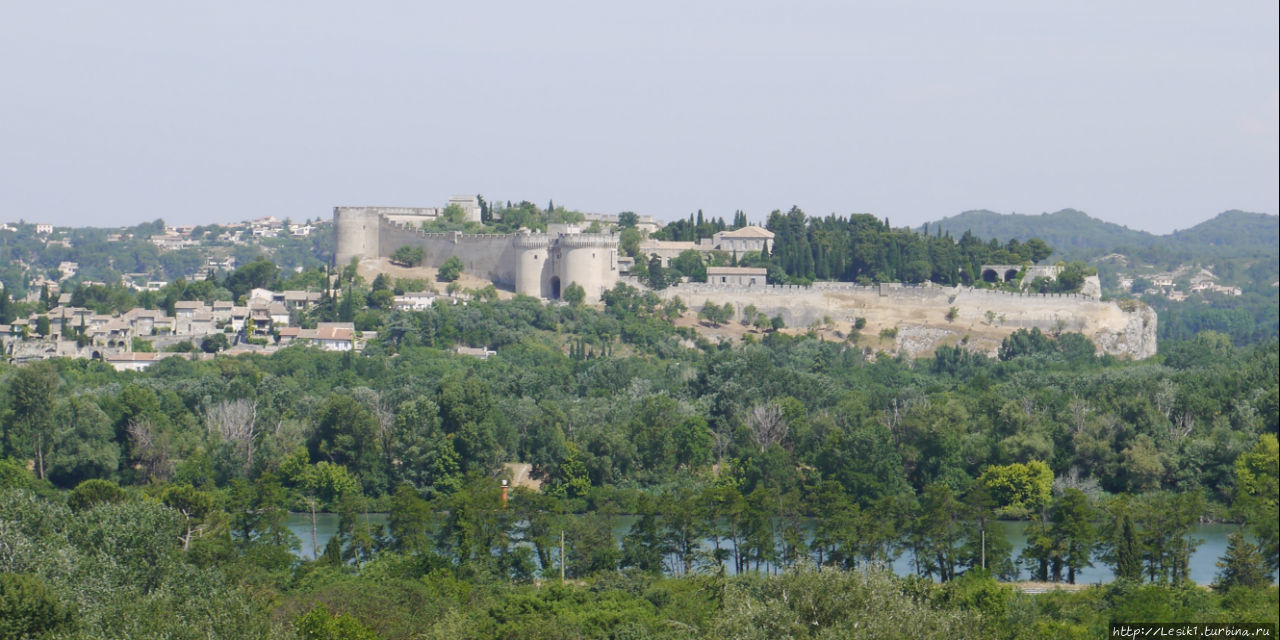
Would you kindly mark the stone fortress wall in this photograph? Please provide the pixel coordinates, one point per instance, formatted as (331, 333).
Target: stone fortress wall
(534, 264)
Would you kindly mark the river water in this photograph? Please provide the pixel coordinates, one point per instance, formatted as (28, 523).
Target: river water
(1202, 567)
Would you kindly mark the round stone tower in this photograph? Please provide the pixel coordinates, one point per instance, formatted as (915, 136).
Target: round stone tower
(590, 260)
(356, 232)
(533, 254)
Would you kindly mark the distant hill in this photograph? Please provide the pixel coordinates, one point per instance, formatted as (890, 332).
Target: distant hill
(1072, 233)
(1235, 233)
(1076, 235)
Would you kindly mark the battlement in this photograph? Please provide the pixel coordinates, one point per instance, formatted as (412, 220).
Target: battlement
(532, 240)
(425, 212)
(581, 240)
(975, 293)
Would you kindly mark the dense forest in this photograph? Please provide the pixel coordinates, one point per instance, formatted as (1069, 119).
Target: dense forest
(131, 501)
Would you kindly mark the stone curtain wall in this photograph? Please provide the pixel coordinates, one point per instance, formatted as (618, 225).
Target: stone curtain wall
(491, 256)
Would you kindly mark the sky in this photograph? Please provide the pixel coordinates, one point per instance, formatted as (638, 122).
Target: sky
(1155, 115)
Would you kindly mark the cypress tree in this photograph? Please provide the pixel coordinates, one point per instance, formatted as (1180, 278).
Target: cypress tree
(1128, 552)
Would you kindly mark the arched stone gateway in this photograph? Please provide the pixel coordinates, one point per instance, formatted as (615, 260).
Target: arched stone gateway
(555, 287)
(1010, 275)
(990, 275)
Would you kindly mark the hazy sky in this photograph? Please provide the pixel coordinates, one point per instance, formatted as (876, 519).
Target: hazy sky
(1156, 115)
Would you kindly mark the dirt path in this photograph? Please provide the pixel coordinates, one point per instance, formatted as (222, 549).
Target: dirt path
(520, 477)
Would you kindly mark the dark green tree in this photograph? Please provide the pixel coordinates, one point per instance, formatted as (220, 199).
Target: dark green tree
(28, 424)
(408, 521)
(84, 446)
(450, 270)
(1072, 529)
(1127, 553)
(347, 434)
(91, 493)
(29, 609)
(1242, 565)
(214, 343)
(574, 294)
(407, 256)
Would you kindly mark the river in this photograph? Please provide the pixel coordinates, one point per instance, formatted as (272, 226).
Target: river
(1202, 566)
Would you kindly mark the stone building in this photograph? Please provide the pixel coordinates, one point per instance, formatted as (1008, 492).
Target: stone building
(737, 276)
(740, 241)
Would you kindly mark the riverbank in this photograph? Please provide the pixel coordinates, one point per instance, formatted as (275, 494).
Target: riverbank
(1202, 566)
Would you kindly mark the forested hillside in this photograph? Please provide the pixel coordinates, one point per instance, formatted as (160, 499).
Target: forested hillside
(1075, 235)
(1072, 233)
(171, 486)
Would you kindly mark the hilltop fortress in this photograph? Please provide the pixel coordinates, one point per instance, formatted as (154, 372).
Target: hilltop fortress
(542, 265)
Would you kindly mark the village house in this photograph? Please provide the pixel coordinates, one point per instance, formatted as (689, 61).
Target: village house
(740, 241)
(68, 269)
(168, 242)
(265, 315)
(115, 333)
(287, 335)
(300, 300)
(1214, 287)
(184, 310)
(215, 263)
(415, 301)
(142, 321)
(330, 336)
(222, 311)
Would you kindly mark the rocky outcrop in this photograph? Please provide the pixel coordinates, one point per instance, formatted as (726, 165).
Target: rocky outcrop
(1136, 339)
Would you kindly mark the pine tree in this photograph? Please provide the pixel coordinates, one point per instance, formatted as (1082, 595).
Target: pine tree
(1242, 565)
